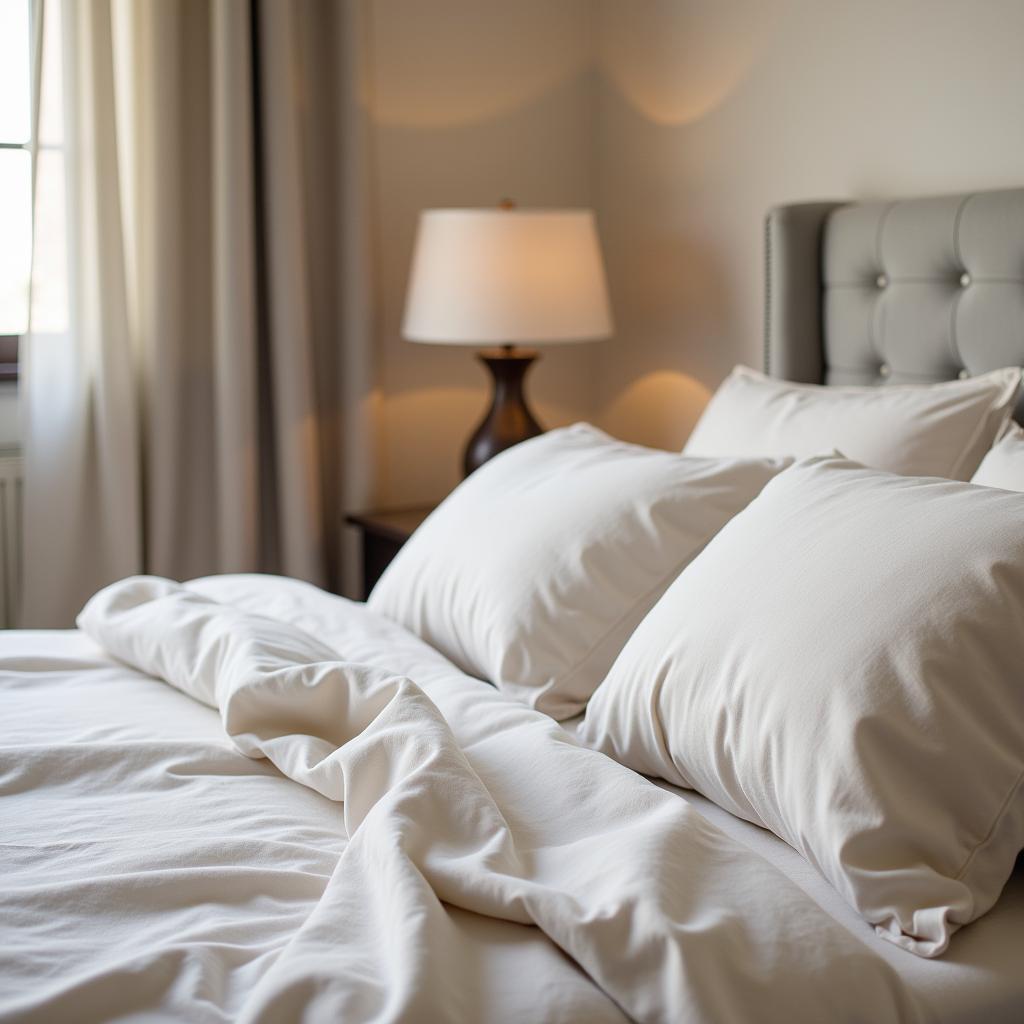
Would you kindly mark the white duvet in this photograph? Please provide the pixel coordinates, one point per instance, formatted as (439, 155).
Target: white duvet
(388, 848)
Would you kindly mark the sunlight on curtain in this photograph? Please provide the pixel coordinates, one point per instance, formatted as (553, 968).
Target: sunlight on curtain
(15, 166)
(49, 306)
(82, 492)
(194, 382)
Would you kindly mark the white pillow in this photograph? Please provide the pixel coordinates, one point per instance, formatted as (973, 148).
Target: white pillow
(842, 664)
(1003, 466)
(917, 429)
(536, 569)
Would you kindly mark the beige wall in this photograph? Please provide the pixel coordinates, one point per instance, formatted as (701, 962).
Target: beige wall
(471, 100)
(681, 121)
(710, 112)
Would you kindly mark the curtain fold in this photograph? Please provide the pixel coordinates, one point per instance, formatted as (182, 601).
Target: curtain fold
(195, 405)
(235, 323)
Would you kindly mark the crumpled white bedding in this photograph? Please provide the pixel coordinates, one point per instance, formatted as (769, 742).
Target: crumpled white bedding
(149, 868)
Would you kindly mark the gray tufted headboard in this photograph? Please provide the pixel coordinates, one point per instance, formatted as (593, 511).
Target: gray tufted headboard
(909, 291)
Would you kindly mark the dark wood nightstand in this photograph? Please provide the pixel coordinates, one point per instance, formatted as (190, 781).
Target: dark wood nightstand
(383, 533)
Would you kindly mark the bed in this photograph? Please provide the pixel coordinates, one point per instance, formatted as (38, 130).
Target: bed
(450, 853)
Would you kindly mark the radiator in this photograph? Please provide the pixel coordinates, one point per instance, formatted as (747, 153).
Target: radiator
(10, 537)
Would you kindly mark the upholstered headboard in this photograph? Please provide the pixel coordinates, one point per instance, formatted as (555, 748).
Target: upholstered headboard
(908, 291)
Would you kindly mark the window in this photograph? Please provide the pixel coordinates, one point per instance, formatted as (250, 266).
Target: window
(15, 180)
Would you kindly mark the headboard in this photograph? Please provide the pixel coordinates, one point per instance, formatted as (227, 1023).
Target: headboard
(915, 290)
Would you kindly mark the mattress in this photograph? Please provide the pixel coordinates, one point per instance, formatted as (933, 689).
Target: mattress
(176, 874)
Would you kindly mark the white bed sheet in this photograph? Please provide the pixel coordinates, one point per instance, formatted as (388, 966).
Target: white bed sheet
(979, 978)
(282, 842)
(164, 881)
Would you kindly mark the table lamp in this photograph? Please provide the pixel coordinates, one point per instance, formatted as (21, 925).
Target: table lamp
(506, 277)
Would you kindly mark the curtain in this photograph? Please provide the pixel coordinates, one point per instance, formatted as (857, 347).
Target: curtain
(197, 384)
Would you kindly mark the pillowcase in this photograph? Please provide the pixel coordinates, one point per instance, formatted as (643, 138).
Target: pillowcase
(1003, 466)
(916, 429)
(536, 569)
(842, 665)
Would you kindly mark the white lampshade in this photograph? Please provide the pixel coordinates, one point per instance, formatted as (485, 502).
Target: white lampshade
(507, 277)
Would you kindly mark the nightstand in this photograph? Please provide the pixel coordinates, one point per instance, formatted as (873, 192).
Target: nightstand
(383, 533)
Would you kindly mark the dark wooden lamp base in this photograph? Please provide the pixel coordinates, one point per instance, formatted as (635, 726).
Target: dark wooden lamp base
(509, 420)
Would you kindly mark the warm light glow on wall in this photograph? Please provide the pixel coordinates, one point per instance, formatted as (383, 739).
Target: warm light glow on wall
(658, 409)
(675, 67)
(496, 62)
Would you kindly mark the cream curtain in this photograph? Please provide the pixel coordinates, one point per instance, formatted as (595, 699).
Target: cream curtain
(198, 386)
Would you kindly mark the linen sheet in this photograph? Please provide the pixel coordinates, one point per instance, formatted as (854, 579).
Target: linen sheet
(150, 871)
(149, 864)
(979, 978)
